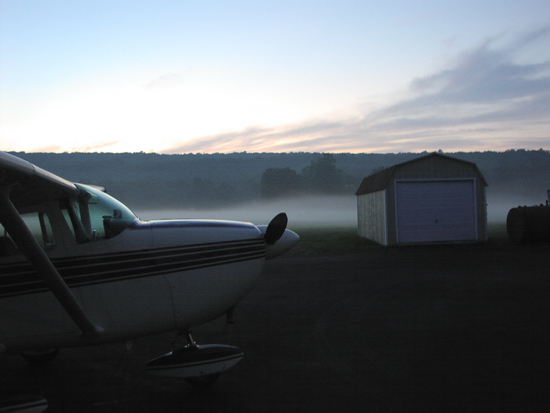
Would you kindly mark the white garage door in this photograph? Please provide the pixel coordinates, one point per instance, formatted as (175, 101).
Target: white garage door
(431, 211)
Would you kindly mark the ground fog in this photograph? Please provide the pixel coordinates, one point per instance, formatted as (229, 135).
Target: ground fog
(315, 211)
(333, 211)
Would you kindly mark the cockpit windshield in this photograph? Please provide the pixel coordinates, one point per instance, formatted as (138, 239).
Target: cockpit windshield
(95, 215)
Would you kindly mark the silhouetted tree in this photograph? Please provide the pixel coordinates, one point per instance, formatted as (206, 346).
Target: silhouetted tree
(322, 175)
(277, 182)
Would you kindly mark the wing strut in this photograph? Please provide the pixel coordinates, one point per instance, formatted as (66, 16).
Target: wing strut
(23, 238)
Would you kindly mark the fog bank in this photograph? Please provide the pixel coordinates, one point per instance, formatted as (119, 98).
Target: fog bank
(313, 211)
(318, 211)
(499, 205)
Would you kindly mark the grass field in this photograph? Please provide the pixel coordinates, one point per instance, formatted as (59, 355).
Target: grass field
(342, 240)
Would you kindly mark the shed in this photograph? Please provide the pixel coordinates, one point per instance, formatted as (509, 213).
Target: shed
(431, 199)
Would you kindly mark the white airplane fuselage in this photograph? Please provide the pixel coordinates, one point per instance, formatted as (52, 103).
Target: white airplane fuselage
(78, 268)
(152, 277)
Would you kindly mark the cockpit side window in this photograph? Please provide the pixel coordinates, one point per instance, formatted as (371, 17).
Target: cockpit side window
(40, 226)
(94, 215)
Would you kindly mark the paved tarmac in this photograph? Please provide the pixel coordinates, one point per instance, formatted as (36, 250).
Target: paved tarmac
(456, 328)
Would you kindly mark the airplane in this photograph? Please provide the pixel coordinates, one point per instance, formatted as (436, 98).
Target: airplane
(78, 268)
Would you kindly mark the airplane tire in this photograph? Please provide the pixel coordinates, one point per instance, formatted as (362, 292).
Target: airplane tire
(40, 359)
(203, 381)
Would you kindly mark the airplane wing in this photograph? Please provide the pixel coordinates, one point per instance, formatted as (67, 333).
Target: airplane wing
(21, 184)
(33, 183)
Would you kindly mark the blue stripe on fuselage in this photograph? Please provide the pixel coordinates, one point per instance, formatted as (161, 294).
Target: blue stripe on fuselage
(20, 278)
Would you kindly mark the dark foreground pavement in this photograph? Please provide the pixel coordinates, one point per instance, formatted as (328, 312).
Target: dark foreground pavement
(455, 328)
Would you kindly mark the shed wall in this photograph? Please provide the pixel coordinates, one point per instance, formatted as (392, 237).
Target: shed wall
(371, 216)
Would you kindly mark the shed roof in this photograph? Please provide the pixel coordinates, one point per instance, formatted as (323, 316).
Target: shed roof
(380, 180)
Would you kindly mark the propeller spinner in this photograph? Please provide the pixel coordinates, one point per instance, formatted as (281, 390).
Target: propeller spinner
(277, 237)
(276, 229)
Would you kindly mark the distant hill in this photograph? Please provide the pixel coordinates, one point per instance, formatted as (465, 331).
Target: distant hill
(214, 180)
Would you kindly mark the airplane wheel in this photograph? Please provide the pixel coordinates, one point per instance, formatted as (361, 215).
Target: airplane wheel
(40, 358)
(203, 381)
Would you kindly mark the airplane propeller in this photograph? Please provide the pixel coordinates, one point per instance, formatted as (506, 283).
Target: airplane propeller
(277, 237)
(276, 228)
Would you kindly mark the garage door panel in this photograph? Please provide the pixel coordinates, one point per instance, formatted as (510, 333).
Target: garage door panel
(427, 233)
(432, 211)
(435, 217)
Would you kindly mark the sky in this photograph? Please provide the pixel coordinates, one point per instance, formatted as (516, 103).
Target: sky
(274, 76)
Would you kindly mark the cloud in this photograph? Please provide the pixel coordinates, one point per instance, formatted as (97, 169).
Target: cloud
(49, 148)
(166, 81)
(489, 97)
(484, 94)
(323, 136)
(99, 147)
(486, 75)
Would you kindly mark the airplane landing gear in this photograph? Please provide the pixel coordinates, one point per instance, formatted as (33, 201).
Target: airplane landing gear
(198, 381)
(189, 338)
(198, 365)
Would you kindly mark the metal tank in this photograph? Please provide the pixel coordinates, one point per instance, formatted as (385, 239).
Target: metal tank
(529, 224)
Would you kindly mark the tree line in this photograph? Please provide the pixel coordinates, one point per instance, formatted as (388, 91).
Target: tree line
(321, 177)
(215, 180)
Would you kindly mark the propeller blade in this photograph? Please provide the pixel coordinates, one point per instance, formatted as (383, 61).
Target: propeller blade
(276, 229)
